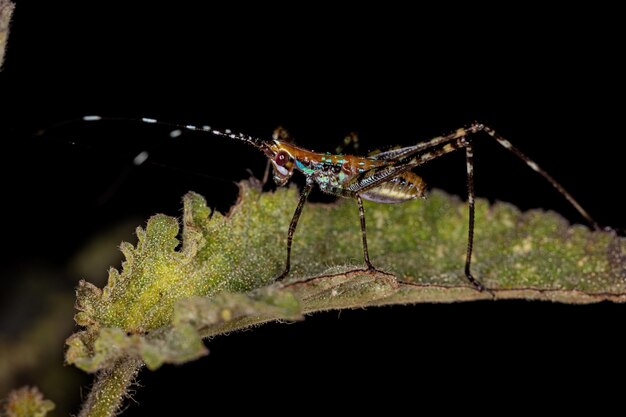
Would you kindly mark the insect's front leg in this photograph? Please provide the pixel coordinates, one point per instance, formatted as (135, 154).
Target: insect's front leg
(294, 223)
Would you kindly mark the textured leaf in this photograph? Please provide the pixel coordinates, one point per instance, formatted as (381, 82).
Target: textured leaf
(220, 276)
(169, 294)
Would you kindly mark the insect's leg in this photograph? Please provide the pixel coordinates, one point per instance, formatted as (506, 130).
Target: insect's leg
(350, 139)
(292, 227)
(408, 160)
(469, 153)
(281, 134)
(266, 174)
(532, 165)
(377, 176)
(366, 254)
(440, 148)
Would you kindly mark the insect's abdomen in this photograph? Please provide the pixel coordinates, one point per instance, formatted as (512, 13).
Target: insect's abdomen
(401, 188)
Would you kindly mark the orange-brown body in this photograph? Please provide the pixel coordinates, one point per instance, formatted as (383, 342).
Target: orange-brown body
(335, 173)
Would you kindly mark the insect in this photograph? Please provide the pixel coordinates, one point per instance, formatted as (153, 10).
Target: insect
(385, 177)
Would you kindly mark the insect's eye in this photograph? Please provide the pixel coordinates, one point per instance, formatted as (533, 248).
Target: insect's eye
(281, 158)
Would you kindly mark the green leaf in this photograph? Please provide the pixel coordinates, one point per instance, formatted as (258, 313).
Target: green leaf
(207, 282)
(220, 276)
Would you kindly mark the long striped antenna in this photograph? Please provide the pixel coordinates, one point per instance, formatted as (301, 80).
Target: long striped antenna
(178, 128)
(144, 155)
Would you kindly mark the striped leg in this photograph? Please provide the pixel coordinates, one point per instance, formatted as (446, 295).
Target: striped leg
(366, 254)
(408, 158)
(292, 227)
(469, 154)
(532, 165)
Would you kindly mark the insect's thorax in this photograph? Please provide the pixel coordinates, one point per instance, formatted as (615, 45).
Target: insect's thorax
(338, 175)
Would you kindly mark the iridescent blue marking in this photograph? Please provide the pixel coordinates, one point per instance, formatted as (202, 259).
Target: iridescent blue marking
(305, 169)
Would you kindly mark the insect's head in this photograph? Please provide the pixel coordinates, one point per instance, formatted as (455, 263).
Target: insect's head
(282, 161)
(278, 150)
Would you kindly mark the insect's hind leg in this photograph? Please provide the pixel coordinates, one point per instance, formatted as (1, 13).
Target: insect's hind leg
(351, 139)
(469, 154)
(477, 127)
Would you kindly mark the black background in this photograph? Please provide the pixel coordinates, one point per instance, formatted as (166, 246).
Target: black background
(549, 81)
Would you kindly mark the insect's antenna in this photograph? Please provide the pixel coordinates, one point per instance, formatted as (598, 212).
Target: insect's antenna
(227, 133)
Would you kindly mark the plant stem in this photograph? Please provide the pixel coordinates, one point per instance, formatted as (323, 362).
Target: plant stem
(6, 9)
(109, 389)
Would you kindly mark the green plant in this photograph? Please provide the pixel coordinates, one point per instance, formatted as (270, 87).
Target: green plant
(218, 276)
